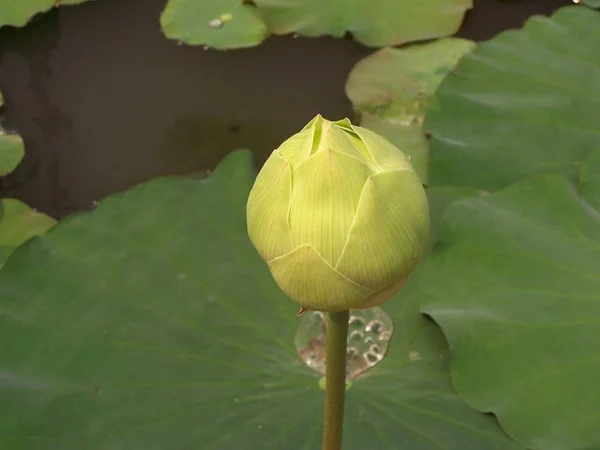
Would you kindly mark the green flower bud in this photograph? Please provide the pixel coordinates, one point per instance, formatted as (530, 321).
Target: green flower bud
(339, 215)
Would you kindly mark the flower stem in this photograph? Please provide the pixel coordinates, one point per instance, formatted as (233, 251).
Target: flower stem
(335, 379)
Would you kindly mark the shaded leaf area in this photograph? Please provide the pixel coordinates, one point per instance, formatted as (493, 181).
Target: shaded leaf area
(392, 89)
(514, 285)
(372, 23)
(439, 198)
(18, 12)
(18, 223)
(152, 323)
(589, 181)
(523, 103)
(592, 3)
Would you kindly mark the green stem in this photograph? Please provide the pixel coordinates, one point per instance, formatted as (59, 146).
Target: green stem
(335, 379)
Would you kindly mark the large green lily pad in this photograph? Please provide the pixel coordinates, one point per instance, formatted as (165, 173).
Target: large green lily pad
(219, 24)
(515, 286)
(152, 323)
(523, 103)
(18, 12)
(372, 22)
(392, 89)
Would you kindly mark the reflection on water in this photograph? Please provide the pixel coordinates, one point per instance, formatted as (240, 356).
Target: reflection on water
(105, 102)
(102, 108)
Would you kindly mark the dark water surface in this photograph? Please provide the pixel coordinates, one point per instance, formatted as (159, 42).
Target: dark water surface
(105, 102)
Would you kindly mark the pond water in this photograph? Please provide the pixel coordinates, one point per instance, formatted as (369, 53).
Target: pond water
(105, 102)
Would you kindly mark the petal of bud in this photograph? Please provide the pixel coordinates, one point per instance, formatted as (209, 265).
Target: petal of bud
(268, 208)
(314, 284)
(384, 153)
(299, 147)
(326, 191)
(391, 227)
(341, 137)
(380, 297)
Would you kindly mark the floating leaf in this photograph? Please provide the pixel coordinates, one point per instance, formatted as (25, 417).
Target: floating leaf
(18, 223)
(392, 89)
(515, 287)
(18, 12)
(374, 23)
(11, 149)
(11, 152)
(219, 24)
(151, 323)
(70, 2)
(592, 3)
(523, 103)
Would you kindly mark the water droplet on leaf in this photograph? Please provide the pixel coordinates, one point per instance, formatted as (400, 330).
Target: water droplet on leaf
(215, 23)
(369, 332)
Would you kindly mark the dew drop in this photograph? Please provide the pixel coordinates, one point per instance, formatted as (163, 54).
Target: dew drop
(215, 23)
(356, 322)
(356, 335)
(375, 326)
(372, 358)
(375, 349)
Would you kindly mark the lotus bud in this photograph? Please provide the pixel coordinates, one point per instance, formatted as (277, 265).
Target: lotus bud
(339, 215)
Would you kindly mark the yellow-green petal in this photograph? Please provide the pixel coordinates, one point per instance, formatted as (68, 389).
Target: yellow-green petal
(380, 297)
(314, 284)
(316, 122)
(299, 147)
(385, 154)
(340, 137)
(326, 191)
(268, 208)
(389, 232)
